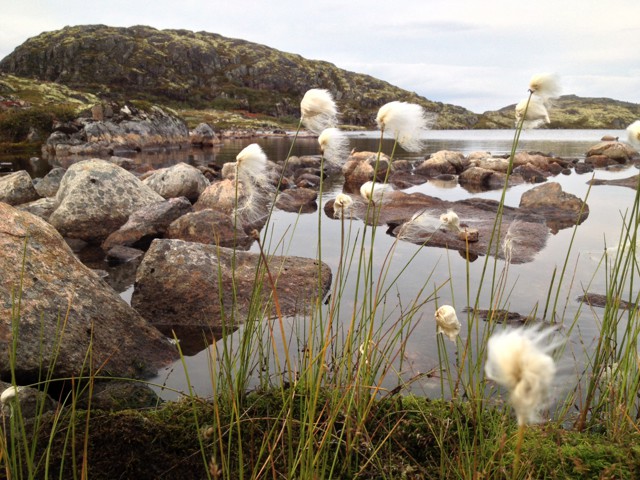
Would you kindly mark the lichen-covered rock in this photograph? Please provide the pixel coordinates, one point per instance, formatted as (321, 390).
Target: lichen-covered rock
(180, 180)
(96, 198)
(147, 223)
(360, 168)
(191, 284)
(69, 321)
(17, 188)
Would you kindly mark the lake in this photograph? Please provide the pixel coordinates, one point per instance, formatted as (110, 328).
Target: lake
(527, 284)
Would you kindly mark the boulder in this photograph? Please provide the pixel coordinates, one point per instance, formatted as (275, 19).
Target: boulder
(96, 198)
(203, 136)
(298, 200)
(48, 186)
(147, 223)
(210, 227)
(69, 322)
(559, 209)
(190, 284)
(360, 168)
(619, 152)
(442, 162)
(17, 188)
(180, 180)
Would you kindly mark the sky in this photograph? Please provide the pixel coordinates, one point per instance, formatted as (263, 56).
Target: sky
(476, 54)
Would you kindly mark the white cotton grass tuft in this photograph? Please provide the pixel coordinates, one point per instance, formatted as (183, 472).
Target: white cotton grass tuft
(9, 393)
(536, 114)
(545, 85)
(451, 221)
(318, 110)
(374, 192)
(510, 238)
(334, 145)
(421, 224)
(633, 133)
(406, 122)
(251, 162)
(251, 167)
(341, 205)
(520, 360)
(543, 88)
(447, 322)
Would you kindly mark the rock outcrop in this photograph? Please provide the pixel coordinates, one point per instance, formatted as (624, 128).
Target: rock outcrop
(129, 130)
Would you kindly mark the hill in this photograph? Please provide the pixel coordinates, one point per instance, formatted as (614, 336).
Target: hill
(571, 111)
(185, 69)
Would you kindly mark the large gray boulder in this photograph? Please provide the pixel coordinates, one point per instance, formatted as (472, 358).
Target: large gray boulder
(180, 180)
(185, 284)
(60, 317)
(96, 198)
(17, 188)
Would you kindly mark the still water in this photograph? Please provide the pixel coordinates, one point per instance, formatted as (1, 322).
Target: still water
(526, 287)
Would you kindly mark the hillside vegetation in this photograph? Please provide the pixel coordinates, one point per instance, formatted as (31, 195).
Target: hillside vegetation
(187, 69)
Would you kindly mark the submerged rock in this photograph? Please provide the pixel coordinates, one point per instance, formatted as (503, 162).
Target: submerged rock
(559, 209)
(69, 321)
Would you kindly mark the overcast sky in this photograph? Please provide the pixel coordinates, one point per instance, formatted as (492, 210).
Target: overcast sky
(472, 53)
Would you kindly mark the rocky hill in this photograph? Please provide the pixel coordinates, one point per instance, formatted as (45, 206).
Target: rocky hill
(181, 68)
(571, 111)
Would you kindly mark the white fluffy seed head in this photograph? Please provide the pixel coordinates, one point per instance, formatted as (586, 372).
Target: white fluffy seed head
(375, 192)
(633, 133)
(251, 162)
(451, 220)
(334, 145)
(519, 359)
(318, 110)
(536, 113)
(8, 394)
(545, 85)
(447, 322)
(420, 225)
(406, 122)
(342, 201)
